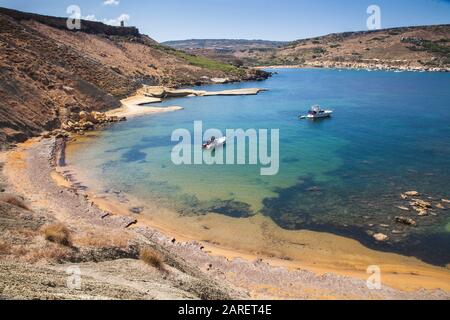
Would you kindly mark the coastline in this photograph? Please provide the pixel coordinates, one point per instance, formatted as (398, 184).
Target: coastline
(327, 259)
(100, 200)
(138, 104)
(266, 263)
(133, 107)
(316, 252)
(355, 66)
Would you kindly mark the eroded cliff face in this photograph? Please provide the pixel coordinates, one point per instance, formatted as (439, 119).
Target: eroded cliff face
(42, 82)
(49, 74)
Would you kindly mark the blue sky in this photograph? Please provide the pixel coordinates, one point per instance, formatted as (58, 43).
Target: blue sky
(246, 19)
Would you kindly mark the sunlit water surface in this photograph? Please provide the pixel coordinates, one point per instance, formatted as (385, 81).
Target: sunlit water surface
(390, 133)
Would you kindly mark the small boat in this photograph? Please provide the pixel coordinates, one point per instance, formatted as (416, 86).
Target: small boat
(214, 143)
(317, 113)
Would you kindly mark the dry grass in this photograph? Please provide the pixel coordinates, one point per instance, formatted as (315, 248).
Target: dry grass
(98, 239)
(19, 251)
(25, 233)
(5, 248)
(15, 201)
(152, 258)
(51, 252)
(57, 233)
(35, 252)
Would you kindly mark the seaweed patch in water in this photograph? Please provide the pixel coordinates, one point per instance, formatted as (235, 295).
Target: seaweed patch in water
(134, 155)
(350, 214)
(230, 208)
(155, 142)
(286, 209)
(290, 160)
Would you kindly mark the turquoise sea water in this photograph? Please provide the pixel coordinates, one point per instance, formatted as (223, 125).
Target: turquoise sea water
(390, 133)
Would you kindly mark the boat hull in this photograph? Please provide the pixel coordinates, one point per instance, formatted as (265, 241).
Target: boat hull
(326, 114)
(217, 144)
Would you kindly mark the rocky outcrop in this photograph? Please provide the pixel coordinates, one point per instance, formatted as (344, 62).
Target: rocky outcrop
(420, 206)
(87, 26)
(419, 211)
(88, 121)
(406, 221)
(380, 237)
(159, 92)
(423, 208)
(411, 194)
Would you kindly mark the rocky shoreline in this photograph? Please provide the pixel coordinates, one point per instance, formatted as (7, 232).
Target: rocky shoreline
(374, 66)
(72, 207)
(136, 105)
(377, 65)
(36, 172)
(417, 209)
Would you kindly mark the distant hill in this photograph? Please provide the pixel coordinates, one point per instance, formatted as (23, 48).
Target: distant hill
(224, 50)
(420, 48)
(49, 73)
(423, 47)
(223, 45)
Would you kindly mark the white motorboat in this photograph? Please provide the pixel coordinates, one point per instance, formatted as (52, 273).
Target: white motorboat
(214, 143)
(316, 112)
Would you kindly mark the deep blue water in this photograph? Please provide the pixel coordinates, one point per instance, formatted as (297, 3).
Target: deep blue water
(390, 133)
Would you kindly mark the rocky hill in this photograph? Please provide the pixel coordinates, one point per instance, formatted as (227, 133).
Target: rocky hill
(409, 48)
(224, 45)
(224, 50)
(48, 72)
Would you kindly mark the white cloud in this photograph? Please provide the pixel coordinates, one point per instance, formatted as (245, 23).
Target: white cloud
(90, 17)
(111, 2)
(116, 22)
(113, 22)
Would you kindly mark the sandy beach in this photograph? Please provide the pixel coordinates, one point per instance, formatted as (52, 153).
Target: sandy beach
(261, 238)
(295, 265)
(266, 262)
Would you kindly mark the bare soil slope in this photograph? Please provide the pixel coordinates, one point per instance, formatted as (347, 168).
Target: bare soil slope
(49, 73)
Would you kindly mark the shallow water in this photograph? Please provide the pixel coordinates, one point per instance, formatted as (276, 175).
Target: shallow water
(390, 133)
